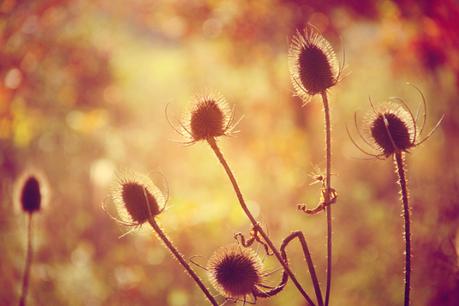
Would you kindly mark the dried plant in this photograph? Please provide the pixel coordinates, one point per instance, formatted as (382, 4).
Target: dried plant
(237, 272)
(210, 119)
(31, 195)
(138, 198)
(314, 69)
(392, 130)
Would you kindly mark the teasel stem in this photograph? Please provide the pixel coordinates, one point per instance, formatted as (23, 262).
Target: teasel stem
(28, 263)
(157, 228)
(400, 164)
(327, 195)
(308, 257)
(256, 225)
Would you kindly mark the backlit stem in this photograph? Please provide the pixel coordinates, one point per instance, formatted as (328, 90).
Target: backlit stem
(327, 195)
(181, 260)
(28, 263)
(255, 224)
(400, 165)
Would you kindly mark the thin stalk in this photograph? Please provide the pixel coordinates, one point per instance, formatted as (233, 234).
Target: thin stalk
(308, 257)
(327, 195)
(219, 154)
(28, 263)
(400, 165)
(181, 260)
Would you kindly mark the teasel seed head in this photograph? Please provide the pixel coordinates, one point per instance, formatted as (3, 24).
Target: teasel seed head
(31, 191)
(210, 117)
(31, 195)
(137, 198)
(313, 64)
(235, 271)
(392, 129)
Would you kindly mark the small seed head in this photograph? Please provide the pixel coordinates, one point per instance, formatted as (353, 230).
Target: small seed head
(235, 271)
(313, 64)
(392, 129)
(31, 191)
(209, 118)
(31, 195)
(138, 198)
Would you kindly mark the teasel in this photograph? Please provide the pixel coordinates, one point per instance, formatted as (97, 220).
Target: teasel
(393, 130)
(209, 119)
(31, 193)
(314, 70)
(237, 272)
(139, 201)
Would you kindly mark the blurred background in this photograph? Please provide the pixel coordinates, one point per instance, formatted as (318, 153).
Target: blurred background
(83, 91)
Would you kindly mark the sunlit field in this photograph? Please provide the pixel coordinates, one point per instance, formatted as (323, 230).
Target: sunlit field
(137, 138)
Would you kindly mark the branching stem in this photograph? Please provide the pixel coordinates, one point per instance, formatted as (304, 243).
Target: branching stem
(308, 257)
(218, 153)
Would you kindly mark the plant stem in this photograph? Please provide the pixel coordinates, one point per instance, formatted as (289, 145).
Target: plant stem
(327, 195)
(218, 153)
(400, 164)
(308, 257)
(181, 260)
(28, 263)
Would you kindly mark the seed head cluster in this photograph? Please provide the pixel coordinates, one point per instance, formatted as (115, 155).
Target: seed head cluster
(392, 129)
(235, 271)
(313, 64)
(138, 197)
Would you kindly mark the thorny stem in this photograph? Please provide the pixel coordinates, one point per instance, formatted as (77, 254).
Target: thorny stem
(308, 257)
(327, 195)
(400, 164)
(254, 222)
(28, 263)
(181, 260)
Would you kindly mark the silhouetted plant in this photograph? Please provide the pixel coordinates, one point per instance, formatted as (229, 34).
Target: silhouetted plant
(31, 190)
(392, 129)
(307, 255)
(237, 272)
(314, 69)
(138, 198)
(209, 119)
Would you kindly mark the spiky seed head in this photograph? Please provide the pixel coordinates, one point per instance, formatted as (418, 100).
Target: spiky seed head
(31, 195)
(138, 198)
(392, 129)
(312, 62)
(209, 118)
(235, 271)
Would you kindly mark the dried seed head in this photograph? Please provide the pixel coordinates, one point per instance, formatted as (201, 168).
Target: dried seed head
(138, 198)
(235, 271)
(209, 118)
(392, 129)
(31, 195)
(313, 63)
(31, 191)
